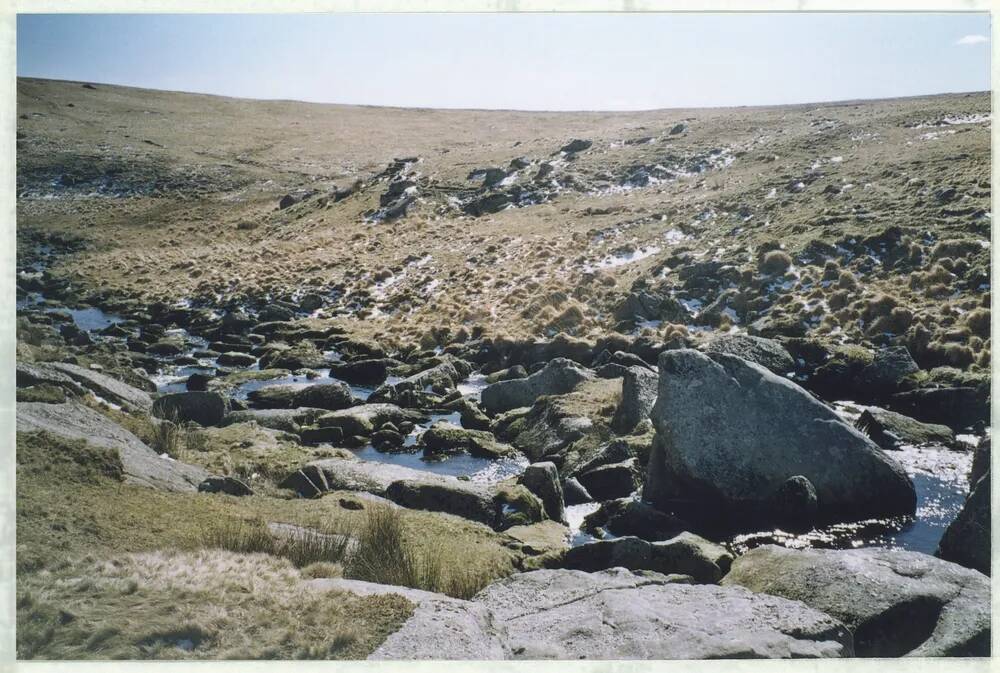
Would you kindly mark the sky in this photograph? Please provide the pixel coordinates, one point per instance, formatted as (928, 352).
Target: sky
(518, 61)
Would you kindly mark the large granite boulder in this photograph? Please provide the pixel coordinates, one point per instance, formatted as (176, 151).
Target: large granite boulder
(617, 614)
(730, 434)
(895, 602)
(558, 377)
(141, 465)
(966, 541)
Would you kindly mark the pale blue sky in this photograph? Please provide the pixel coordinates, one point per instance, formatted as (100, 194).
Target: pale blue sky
(519, 61)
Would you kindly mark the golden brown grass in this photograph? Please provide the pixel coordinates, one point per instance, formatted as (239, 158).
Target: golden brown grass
(194, 605)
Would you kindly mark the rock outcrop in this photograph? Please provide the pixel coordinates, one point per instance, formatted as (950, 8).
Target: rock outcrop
(616, 614)
(141, 464)
(558, 377)
(730, 434)
(895, 602)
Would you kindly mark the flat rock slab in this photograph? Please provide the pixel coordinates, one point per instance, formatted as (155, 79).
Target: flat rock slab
(107, 387)
(615, 614)
(441, 627)
(895, 602)
(141, 464)
(349, 474)
(30, 374)
(287, 420)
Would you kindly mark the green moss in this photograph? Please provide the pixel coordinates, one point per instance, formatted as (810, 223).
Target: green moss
(43, 392)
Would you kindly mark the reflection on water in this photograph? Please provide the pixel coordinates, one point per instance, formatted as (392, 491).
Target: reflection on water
(479, 470)
(940, 478)
(575, 514)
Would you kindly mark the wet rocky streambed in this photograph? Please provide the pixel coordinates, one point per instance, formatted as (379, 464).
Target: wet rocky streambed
(939, 474)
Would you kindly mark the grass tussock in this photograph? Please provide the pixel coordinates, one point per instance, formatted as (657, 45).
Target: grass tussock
(377, 548)
(301, 546)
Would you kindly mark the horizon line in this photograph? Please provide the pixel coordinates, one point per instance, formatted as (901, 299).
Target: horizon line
(845, 101)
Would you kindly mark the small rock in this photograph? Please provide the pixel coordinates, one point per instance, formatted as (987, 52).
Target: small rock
(227, 485)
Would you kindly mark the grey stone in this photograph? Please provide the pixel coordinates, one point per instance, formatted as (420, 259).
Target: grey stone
(444, 437)
(203, 408)
(236, 359)
(367, 372)
(364, 418)
(141, 464)
(955, 406)
(616, 614)
(286, 420)
(546, 429)
(107, 387)
(542, 479)
(425, 386)
(980, 461)
(966, 541)
(574, 492)
(616, 480)
(273, 397)
(351, 474)
(576, 145)
(227, 485)
(416, 489)
(29, 374)
(729, 433)
(891, 430)
(767, 353)
(639, 387)
(330, 396)
(558, 377)
(451, 496)
(628, 516)
(895, 602)
(686, 554)
(321, 435)
(440, 628)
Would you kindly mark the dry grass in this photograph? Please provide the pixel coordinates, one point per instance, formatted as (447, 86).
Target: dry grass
(377, 548)
(306, 547)
(109, 570)
(195, 605)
